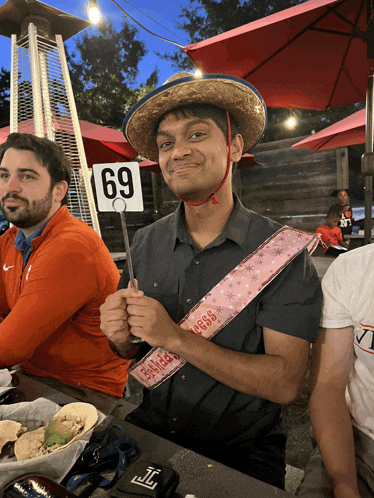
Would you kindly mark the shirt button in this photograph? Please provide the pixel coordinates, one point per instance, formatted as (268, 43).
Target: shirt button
(189, 300)
(183, 377)
(155, 284)
(196, 261)
(175, 419)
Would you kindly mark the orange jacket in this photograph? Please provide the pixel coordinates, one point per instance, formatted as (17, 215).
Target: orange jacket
(49, 311)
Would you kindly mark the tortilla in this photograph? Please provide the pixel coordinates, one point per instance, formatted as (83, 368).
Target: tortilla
(69, 424)
(9, 431)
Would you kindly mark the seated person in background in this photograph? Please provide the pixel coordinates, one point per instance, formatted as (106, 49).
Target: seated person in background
(4, 223)
(331, 235)
(344, 210)
(224, 402)
(341, 383)
(55, 274)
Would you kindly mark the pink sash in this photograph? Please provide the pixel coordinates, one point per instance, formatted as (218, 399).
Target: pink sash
(227, 299)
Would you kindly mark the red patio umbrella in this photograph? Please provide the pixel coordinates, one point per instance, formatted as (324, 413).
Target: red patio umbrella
(348, 131)
(101, 144)
(246, 161)
(315, 55)
(310, 56)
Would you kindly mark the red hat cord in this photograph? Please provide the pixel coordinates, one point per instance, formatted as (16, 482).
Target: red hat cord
(212, 196)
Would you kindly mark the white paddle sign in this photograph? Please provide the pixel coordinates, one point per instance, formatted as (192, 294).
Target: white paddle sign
(118, 180)
(118, 188)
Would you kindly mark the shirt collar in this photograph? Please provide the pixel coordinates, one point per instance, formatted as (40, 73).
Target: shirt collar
(24, 244)
(235, 230)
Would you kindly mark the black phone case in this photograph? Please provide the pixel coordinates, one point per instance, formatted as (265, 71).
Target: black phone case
(146, 480)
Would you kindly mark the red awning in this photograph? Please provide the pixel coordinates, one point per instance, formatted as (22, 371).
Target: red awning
(101, 144)
(310, 56)
(348, 131)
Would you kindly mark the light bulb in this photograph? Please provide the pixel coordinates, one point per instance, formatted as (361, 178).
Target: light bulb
(94, 15)
(290, 123)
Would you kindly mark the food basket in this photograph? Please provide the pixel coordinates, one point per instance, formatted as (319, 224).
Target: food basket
(54, 465)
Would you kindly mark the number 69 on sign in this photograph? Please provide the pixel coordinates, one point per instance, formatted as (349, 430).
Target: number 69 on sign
(118, 180)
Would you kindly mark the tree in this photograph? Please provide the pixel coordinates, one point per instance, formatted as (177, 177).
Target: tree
(103, 68)
(4, 97)
(202, 19)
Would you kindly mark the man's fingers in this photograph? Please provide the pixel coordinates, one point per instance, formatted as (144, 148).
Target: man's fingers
(138, 308)
(135, 321)
(129, 292)
(136, 284)
(137, 331)
(118, 299)
(112, 302)
(117, 315)
(139, 300)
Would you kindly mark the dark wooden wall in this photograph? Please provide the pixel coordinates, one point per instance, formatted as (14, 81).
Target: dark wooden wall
(292, 186)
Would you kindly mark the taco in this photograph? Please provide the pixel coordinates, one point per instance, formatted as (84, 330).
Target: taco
(69, 424)
(9, 432)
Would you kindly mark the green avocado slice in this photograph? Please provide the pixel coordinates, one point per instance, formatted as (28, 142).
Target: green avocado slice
(53, 434)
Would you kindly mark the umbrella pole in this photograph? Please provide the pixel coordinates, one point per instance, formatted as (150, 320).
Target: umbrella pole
(367, 160)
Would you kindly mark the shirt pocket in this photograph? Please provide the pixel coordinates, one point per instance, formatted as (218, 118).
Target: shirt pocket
(164, 291)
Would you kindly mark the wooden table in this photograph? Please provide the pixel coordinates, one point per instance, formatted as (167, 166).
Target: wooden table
(118, 256)
(199, 475)
(355, 240)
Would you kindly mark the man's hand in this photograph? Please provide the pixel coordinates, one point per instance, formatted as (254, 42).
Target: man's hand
(148, 319)
(113, 319)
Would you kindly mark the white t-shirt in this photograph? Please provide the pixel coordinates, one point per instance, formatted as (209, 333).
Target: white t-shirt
(348, 289)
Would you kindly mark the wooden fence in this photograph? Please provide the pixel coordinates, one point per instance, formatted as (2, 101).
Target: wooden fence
(292, 186)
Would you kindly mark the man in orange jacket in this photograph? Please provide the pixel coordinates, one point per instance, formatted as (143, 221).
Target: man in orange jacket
(55, 274)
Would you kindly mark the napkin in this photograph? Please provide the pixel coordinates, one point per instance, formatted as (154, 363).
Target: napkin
(5, 381)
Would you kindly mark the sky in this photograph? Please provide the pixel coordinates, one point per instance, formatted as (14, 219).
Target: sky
(165, 12)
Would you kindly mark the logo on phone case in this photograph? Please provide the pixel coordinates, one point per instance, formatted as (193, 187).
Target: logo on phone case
(147, 480)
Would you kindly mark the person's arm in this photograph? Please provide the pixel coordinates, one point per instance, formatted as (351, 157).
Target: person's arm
(324, 241)
(277, 375)
(344, 209)
(332, 358)
(343, 243)
(4, 308)
(61, 280)
(113, 323)
(341, 240)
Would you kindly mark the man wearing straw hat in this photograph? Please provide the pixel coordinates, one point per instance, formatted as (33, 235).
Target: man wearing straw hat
(228, 301)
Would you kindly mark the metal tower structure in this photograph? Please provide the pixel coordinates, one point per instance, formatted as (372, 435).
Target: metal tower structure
(41, 96)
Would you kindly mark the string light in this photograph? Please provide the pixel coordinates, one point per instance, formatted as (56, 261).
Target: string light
(290, 122)
(93, 12)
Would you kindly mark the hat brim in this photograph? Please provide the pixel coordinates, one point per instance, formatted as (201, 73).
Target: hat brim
(232, 94)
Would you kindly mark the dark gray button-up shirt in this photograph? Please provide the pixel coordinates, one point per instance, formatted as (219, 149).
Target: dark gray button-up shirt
(171, 269)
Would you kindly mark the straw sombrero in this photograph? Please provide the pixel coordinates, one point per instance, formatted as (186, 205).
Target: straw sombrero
(232, 94)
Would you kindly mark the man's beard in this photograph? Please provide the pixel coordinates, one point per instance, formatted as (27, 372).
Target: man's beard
(27, 215)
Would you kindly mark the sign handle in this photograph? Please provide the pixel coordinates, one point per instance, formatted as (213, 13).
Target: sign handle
(119, 205)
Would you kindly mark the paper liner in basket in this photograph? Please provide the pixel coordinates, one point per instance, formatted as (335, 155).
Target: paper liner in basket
(53, 465)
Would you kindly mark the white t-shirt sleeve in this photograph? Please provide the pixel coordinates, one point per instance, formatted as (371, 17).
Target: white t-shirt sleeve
(336, 312)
